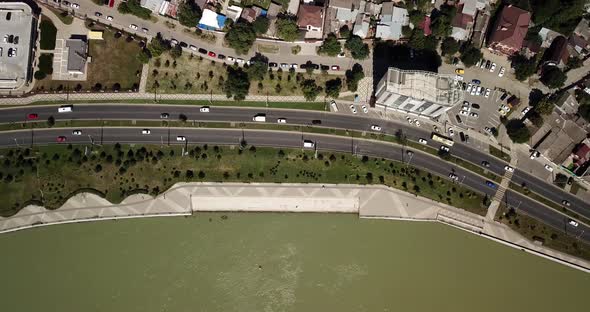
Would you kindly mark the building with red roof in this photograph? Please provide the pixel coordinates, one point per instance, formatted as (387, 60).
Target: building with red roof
(511, 26)
(425, 26)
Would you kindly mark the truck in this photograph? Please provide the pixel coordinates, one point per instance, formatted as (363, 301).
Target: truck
(259, 118)
(308, 144)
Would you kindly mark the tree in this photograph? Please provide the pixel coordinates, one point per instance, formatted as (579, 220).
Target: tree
(258, 67)
(176, 52)
(287, 28)
(310, 89)
(98, 168)
(553, 77)
(237, 83)
(158, 45)
(241, 37)
(143, 56)
(449, 46)
(353, 76)
(50, 121)
(333, 87)
(344, 32)
(188, 13)
(574, 62)
(406, 31)
(134, 7)
(416, 17)
(40, 75)
(471, 55)
(331, 46)
(544, 106)
(357, 48)
(517, 131)
(523, 67)
(261, 24)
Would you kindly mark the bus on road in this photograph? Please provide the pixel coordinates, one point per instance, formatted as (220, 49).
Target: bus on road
(442, 139)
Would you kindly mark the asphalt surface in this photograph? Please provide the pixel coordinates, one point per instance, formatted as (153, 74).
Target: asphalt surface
(299, 117)
(289, 140)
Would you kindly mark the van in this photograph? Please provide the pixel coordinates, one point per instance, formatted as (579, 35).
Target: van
(259, 118)
(308, 144)
(65, 109)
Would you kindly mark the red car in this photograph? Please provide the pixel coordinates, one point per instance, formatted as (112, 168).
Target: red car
(61, 138)
(32, 116)
(212, 54)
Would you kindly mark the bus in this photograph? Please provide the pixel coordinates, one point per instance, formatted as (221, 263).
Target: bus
(442, 139)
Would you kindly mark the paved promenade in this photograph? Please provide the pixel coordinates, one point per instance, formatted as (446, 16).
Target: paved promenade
(372, 201)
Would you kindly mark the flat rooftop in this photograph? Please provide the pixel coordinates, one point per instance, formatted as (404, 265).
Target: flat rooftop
(422, 85)
(16, 32)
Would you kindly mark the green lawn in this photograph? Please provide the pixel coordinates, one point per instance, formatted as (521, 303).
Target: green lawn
(48, 33)
(113, 62)
(500, 153)
(60, 171)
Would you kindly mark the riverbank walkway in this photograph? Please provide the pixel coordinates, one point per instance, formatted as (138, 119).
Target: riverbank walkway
(368, 201)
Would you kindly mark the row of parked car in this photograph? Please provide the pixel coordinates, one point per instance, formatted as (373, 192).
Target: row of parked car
(490, 66)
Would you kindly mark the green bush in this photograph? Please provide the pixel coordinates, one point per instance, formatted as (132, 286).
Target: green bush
(48, 33)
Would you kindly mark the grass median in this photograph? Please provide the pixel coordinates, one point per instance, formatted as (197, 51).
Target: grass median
(49, 175)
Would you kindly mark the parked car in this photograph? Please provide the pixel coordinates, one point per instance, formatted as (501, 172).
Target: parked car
(133, 26)
(324, 67)
(97, 14)
(352, 108)
(75, 6)
(284, 65)
(294, 66)
(464, 113)
(32, 116)
(61, 138)
(365, 109)
(375, 128)
(273, 64)
(451, 132)
(231, 59)
(459, 71)
(173, 42)
(335, 67)
(535, 154)
(282, 120)
(488, 64)
(474, 115)
(334, 106)
(212, 54)
(504, 96)
(204, 109)
(145, 30)
(487, 94)
(483, 64)
(422, 141)
(502, 71)
(145, 131)
(109, 18)
(192, 47)
(468, 88)
(221, 56)
(476, 81)
(549, 168)
(508, 168)
(493, 68)
(573, 223)
(202, 51)
(474, 106)
(417, 123)
(526, 110)
(77, 132)
(180, 138)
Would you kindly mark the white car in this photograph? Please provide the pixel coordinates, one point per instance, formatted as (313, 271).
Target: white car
(75, 6)
(231, 59)
(76, 132)
(565, 203)
(573, 223)
(488, 91)
(508, 168)
(444, 148)
(294, 66)
(240, 61)
(453, 177)
(535, 154)
(282, 120)
(133, 26)
(459, 78)
(145, 30)
(464, 113)
(352, 108)
(109, 18)
(526, 110)
(474, 90)
(488, 130)
(365, 109)
(493, 68)
(422, 141)
(474, 115)
(204, 109)
(375, 128)
(284, 65)
(192, 47)
(469, 86)
(451, 132)
(549, 168)
(502, 71)
(334, 106)
(180, 138)
(145, 131)
(410, 121)
(478, 91)
(416, 122)
(173, 42)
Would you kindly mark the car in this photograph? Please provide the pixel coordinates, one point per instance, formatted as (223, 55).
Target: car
(66, 3)
(272, 64)
(501, 72)
(145, 30)
(164, 115)
(410, 121)
(212, 54)
(464, 113)
(133, 26)
(183, 44)
(341, 54)
(435, 129)
(504, 96)
(324, 67)
(97, 14)
(535, 154)
(464, 86)
(221, 56)
(459, 71)
(334, 106)
(109, 18)
(469, 86)
(458, 119)
(478, 63)
(549, 168)
(483, 64)
(32, 116)
(417, 123)
(61, 138)
(316, 122)
(304, 66)
(572, 223)
(173, 42)
(453, 177)
(459, 78)
(476, 81)
(180, 138)
(508, 168)
(192, 47)
(375, 128)
(487, 94)
(75, 6)
(202, 51)
(451, 132)
(526, 110)
(485, 164)
(282, 120)
(335, 67)
(352, 108)
(565, 203)
(488, 64)
(473, 90)
(493, 68)
(462, 136)
(294, 66)
(474, 115)
(284, 65)
(365, 109)
(422, 141)
(76, 132)
(479, 90)
(488, 130)
(146, 131)
(231, 59)
(491, 184)
(410, 153)
(444, 148)
(475, 106)
(204, 109)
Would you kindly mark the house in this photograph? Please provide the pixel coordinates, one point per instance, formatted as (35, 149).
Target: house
(392, 20)
(152, 5)
(250, 14)
(579, 160)
(201, 4)
(579, 41)
(508, 33)
(77, 56)
(462, 23)
(346, 10)
(211, 20)
(557, 54)
(567, 104)
(169, 8)
(361, 26)
(547, 36)
(311, 19)
(233, 12)
(272, 13)
(470, 7)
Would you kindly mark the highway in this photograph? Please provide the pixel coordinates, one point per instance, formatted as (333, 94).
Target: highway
(297, 117)
(289, 140)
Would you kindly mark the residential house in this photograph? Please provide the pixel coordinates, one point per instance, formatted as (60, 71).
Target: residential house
(579, 41)
(557, 54)
(579, 160)
(361, 25)
(392, 20)
(250, 14)
(311, 19)
(567, 104)
(211, 20)
(162, 7)
(234, 12)
(201, 4)
(462, 23)
(346, 10)
(547, 35)
(77, 56)
(152, 5)
(272, 13)
(508, 33)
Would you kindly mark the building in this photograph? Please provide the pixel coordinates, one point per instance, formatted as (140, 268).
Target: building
(579, 160)
(77, 56)
(418, 92)
(557, 54)
(18, 28)
(579, 41)
(392, 21)
(361, 26)
(311, 19)
(234, 12)
(211, 20)
(508, 33)
(346, 10)
(162, 7)
(152, 5)
(462, 23)
(250, 14)
(547, 36)
(567, 104)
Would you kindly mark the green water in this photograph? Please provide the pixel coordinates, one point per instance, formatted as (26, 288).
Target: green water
(276, 262)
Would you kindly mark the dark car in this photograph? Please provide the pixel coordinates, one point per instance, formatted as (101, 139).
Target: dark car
(303, 66)
(316, 122)
(462, 136)
(475, 106)
(488, 64)
(202, 51)
(221, 56)
(325, 67)
(504, 96)
(273, 64)
(183, 44)
(315, 66)
(485, 164)
(97, 14)
(491, 184)
(476, 81)
(458, 119)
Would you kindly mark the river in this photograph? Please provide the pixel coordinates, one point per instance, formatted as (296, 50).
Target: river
(276, 262)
